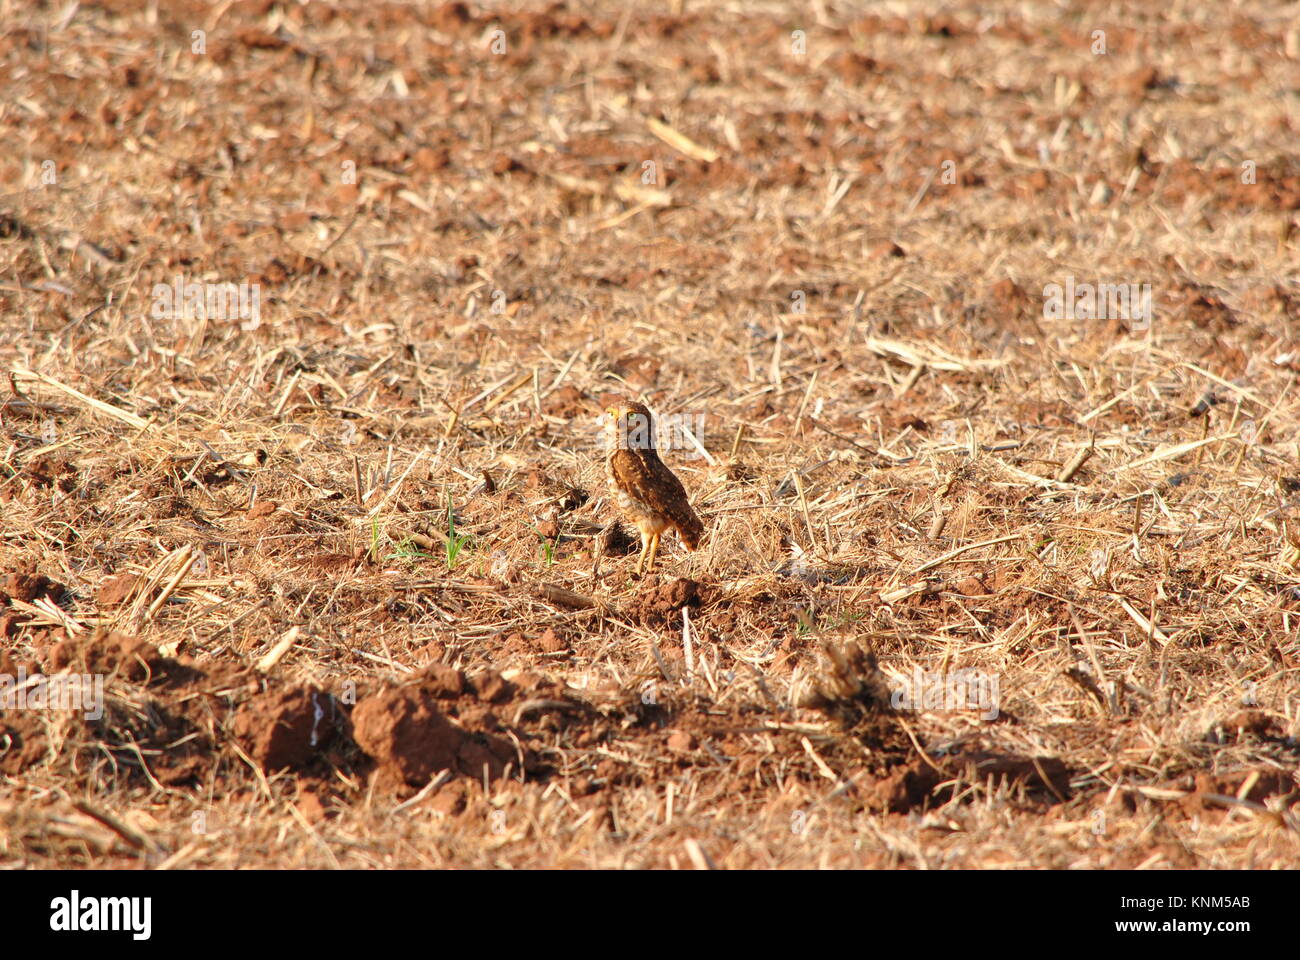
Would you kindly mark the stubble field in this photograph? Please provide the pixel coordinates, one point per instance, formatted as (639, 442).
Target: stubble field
(345, 563)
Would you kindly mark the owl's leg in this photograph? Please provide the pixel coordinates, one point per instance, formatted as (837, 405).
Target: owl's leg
(645, 545)
(654, 549)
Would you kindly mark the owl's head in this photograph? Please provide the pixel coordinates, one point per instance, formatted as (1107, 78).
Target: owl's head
(628, 426)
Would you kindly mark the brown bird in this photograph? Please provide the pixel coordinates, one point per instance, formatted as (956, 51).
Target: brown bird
(647, 492)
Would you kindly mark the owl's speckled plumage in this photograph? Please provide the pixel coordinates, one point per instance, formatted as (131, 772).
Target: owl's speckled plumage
(643, 487)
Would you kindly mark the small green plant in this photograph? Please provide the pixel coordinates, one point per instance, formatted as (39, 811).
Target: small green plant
(547, 547)
(408, 551)
(455, 542)
(843, 621)
(808, 622)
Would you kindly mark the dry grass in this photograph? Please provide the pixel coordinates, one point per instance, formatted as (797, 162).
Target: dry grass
(899, 467)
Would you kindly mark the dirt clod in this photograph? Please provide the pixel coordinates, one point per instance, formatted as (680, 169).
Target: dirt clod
(286, 728)
(410, 738)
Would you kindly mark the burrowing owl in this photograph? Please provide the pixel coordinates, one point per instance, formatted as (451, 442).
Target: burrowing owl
(647, 492)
